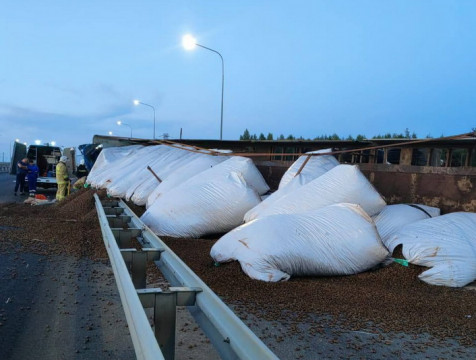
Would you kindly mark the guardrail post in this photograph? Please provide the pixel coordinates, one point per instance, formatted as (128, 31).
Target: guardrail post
(136, 261)
(118, 221)
(124, 236)
(113, 210)
(164, 304)
(110, 203)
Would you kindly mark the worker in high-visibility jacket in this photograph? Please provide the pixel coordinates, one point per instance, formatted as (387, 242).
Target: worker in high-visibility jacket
(62, 178)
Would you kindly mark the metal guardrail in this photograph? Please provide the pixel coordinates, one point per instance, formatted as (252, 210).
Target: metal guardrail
(227, 333)
(145, 344)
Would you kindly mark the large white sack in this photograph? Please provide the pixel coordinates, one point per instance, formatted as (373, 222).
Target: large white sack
(393, 217)
(106, 158)
(339, 239)
(241, 165)
(128, 178)
(445, 243)
(118, 170)
(183, 173)
(204, 206)
(341, 184)
(162, 167)
(315, 167)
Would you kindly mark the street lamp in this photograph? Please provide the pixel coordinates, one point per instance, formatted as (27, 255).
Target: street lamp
(137, 102)
(110, 133)
(119, 122)
(189, 43)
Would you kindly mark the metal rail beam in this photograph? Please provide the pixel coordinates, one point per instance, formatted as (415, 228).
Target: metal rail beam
(143, 338)
(229, 335)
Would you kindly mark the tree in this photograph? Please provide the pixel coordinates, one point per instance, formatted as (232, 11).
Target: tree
(246, 135)
(269, 137)
(281, 137)
(290, 137)
(261, 137)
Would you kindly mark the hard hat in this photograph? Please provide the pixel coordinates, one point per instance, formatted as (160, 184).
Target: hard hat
(81, 162)
(64, 158)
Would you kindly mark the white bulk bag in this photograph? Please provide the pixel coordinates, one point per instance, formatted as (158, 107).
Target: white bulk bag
(183, 173)
(339, 239)
(206, 205)
(341, 184)
(241, 165)
(132, 173)
(115, 172)
(445, 243)
(315, 167)
(106, 158)
(162, 167)
(393, 217)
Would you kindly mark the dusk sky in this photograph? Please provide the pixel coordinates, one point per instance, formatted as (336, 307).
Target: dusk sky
(71, 69)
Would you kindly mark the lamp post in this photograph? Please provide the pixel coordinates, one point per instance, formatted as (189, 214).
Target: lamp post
(137, 102)
(119, 122)
(189, 43)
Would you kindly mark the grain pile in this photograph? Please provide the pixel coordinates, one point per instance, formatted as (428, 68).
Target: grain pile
(390, 299)
(69, 227)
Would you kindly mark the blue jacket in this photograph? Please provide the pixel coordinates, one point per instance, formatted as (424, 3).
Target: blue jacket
(22, 171)
(33, 171)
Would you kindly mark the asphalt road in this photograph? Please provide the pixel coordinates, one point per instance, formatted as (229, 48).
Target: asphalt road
(7, 187)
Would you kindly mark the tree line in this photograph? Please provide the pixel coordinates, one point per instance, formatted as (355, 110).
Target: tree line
(405, 135)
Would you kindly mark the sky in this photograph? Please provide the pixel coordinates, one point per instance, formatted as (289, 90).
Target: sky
(71, 69)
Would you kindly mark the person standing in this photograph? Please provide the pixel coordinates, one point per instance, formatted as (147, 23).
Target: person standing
(81, 170)
(22, 170)
(62, 178)
(32, 177)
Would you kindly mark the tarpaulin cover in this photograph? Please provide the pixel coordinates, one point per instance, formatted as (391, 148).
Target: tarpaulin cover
(341, 184)
(393, 217)
(446, 244)
(339, 239)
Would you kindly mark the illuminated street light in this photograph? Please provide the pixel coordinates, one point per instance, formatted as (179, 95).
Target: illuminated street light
(110, 133)
(119, 122)
(137, 102)
(53, 143)
(189, 43)
(37, 142)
